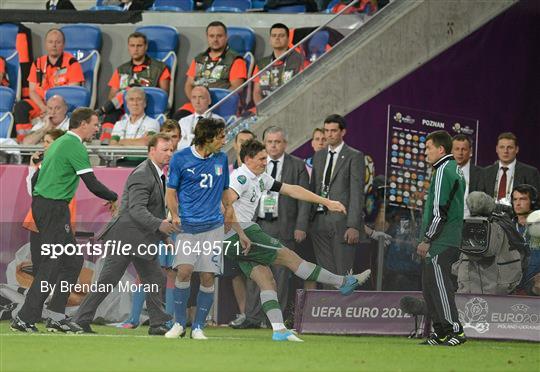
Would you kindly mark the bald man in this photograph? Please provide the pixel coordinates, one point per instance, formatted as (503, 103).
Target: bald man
(56, 68)
(200, 99)
(55, 118)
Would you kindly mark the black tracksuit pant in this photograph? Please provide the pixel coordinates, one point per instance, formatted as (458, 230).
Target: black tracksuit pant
(52, 219)
(438, 289)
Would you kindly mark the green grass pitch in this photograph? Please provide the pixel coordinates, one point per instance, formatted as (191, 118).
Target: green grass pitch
(251, 350)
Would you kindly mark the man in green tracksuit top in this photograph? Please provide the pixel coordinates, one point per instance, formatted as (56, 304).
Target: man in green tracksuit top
(441, 236)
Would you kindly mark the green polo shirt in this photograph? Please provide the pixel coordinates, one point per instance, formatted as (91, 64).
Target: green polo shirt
(65, 160)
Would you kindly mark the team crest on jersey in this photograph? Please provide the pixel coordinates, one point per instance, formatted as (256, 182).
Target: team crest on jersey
(218, 169)
(242, 179)
(261, 184)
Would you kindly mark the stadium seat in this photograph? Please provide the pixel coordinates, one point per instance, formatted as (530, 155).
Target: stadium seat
(172, 6)
(162, 45)
(230, 6)
(7, 98)
(84, 42)
(241, 39)
(229, 107)
(331, 6)
(8, 50)
(156, 103)
(288, 9)
(316, 45)
(73, 95)
(257, 4)
(113, 8)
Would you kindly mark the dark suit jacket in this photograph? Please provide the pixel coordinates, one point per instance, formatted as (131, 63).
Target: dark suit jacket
(293, 214)
(523, 174)
(141, 211)
(346, 186)
(475, 176)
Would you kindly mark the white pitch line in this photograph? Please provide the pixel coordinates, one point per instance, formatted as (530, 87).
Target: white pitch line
(52, 334)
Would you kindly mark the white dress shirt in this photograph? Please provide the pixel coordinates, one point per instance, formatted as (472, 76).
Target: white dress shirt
(466, 169)
(40, 123)
(269, 169)
(125, 129)
(337, 150)
(187, 125)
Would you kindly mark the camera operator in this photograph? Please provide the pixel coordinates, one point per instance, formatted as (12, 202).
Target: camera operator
(524, 202)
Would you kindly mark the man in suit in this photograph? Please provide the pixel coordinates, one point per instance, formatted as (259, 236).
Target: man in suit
(499, 179)
(462, 151)
(338, 174)
(279, 216)
(141, 221)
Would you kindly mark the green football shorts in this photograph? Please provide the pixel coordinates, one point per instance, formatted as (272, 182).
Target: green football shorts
(263, 249)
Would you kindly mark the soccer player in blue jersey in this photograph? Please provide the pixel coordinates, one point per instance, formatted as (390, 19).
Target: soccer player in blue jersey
(198, 177)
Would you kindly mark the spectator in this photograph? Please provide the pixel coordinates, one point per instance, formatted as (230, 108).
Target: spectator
(172, 128)
(338, 174)
(499, 179)
(318, 142)
(241, 137)
(217, 67)
(140, 71)
(56, 68)
(59, 5)
(200, 99)
(462, 151)
(282, 70)
(4, 80)
(55, 118)
(524, 202)
(136, 127)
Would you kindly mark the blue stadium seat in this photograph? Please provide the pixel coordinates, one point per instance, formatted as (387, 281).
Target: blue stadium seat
(317, 45)
(74, 96)
(8, 50)
(107, 7)
(230, 6)
(241, 39)
(156, 103)
(288, 9)
(172, 6)
(162, 45)
(331, 5)
(7, 98)
(257, 4)
(229, 107)
(84, 42)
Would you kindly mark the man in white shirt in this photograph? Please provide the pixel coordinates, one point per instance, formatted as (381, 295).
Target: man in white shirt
(136, 128)
(279, 216)
(499, 179)
(462, 152)
(247, 185)
(55, 118)
(200, 99)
